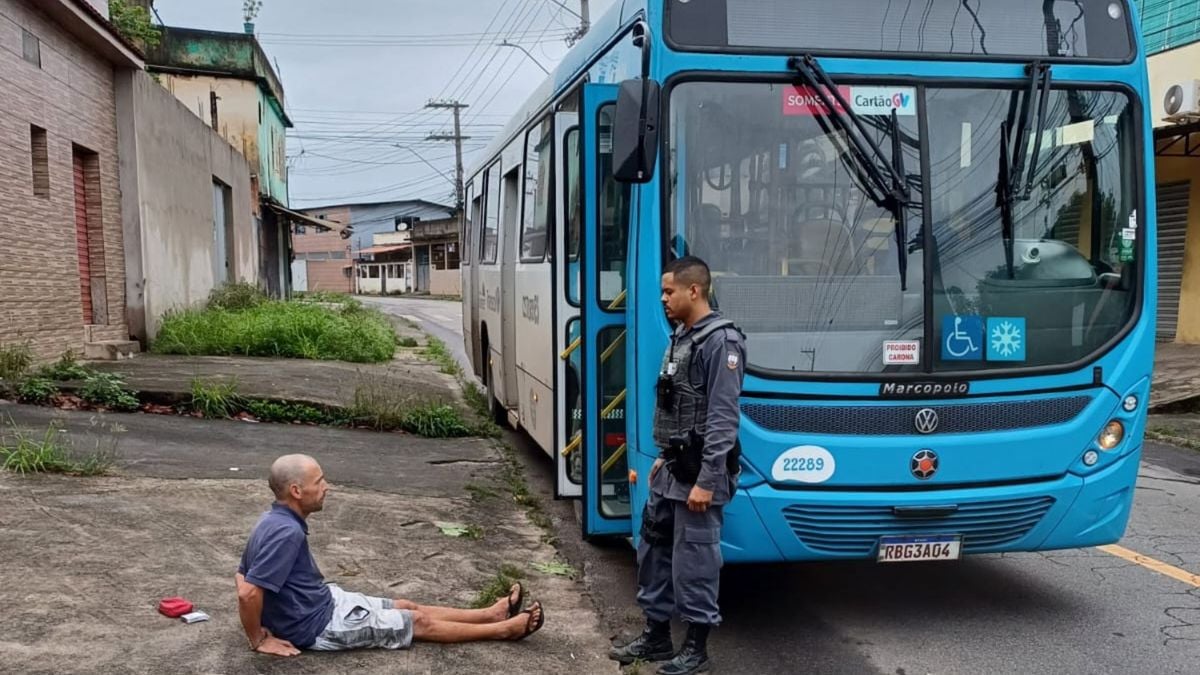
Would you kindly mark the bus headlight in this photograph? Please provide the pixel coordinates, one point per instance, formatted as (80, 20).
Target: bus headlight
(1111, 436)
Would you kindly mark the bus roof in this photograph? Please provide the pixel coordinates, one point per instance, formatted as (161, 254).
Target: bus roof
(568, 69)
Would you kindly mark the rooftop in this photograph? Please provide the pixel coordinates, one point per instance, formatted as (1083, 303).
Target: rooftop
(205, 52)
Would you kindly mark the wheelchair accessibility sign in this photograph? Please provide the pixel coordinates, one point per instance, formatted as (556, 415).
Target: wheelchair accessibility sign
(962, 338)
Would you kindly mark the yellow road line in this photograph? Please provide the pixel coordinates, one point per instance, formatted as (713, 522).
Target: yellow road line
(1152, 564)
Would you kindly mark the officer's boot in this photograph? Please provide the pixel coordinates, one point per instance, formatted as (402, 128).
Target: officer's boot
(693, 656)
(654, 644)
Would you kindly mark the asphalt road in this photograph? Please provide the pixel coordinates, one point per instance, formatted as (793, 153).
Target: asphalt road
(1074, 611)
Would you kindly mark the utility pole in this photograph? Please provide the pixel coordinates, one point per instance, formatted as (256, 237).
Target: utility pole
(458, 138)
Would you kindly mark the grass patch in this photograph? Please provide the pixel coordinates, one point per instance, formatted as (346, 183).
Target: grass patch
(512, 475)
(215, 399)
(499, 586)
(378, 406)
(237, 296)
(281, 329)
(330, 297)
(437, 352)
(481, 493)
(50, 452)
(284, 412)
(107, 390)
(36, 390)
(66, 368)
(1166, 435)
(15, 361)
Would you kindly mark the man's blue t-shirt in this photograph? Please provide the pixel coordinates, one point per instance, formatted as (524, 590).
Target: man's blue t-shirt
(297, 605)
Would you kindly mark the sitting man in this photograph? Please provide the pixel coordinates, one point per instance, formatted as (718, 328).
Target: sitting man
(285, 605)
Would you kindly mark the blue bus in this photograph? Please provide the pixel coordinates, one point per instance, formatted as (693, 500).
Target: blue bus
(933, 221)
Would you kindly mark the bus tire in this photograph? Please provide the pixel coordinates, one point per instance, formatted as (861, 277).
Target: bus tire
(497, 412)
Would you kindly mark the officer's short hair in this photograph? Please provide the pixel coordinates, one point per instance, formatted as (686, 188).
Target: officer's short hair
(691, 270)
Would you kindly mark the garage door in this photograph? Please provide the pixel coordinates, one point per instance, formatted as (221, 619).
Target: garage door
(1172, 234)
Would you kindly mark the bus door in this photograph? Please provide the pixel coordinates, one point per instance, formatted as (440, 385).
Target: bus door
(568, 340)
(603, 283)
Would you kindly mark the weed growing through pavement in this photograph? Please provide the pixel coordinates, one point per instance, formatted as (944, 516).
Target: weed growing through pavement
(15, 361)
(36, 390)
(66, 368)
(437, 352)
(24, 452)
(107, 390)
(215, 399)
(499, 586)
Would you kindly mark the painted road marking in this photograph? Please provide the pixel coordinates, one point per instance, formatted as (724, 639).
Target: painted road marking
(1152, 564)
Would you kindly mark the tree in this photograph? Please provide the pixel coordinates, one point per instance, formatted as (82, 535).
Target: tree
(133, 22)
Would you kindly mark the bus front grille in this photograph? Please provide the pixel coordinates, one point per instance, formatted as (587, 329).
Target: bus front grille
(899, 420)
(854, 531)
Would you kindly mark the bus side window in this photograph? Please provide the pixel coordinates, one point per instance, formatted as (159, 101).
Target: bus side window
(468, 231)
(491, 223)
(539, 187)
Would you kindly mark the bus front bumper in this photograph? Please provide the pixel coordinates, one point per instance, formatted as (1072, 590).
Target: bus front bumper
(768, 524)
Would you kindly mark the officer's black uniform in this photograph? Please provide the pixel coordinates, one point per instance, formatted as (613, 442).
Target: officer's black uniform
(695, 429)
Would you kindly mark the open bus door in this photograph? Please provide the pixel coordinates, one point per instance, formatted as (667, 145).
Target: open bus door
(603, 283)
(568, 409)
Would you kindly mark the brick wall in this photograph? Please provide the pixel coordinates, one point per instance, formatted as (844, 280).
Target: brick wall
(70, 96)
(315, 241)
(329, 275)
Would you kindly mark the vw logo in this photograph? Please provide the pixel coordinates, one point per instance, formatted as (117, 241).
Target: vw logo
(926, 421)
(924, 464)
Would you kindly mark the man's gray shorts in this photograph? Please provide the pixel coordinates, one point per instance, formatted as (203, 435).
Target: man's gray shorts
(363, 622)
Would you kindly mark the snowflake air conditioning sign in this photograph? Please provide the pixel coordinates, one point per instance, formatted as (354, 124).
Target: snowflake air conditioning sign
(969, 337)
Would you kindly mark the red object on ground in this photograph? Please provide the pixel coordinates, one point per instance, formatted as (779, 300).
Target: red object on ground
(174, 607)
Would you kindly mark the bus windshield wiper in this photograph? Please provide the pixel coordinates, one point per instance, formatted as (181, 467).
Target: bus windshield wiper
(1012, 154)
(888, 191)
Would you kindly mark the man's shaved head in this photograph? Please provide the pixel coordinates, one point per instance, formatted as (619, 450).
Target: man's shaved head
(287, 471)
(689, 271)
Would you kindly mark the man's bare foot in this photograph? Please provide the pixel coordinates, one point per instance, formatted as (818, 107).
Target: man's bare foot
(526, 623)
(508, 606)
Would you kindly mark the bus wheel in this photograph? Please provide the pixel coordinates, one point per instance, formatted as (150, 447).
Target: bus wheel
(498, 413)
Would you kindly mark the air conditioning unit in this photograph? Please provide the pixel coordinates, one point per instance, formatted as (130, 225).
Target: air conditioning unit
(1182, 101)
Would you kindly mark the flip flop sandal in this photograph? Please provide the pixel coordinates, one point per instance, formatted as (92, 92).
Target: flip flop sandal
(532, 626)
(514, 606)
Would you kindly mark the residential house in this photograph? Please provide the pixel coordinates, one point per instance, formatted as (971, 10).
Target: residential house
(62, 273)
(417, 239)
(1171, 31)
(227, 80)
(188, 206)
(323, 260)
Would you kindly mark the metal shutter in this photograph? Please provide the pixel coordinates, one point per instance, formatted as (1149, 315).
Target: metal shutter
(1172, 234)
(81, 240)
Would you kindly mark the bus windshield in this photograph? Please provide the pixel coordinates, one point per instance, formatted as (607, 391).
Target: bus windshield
(763, 187)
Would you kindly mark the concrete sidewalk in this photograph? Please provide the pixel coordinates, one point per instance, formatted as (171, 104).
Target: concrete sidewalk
(86, 560)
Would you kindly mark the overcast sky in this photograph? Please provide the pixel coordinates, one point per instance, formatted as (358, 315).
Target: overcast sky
(357, 80)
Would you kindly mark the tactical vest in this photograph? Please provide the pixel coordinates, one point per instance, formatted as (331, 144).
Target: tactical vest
(689, 409)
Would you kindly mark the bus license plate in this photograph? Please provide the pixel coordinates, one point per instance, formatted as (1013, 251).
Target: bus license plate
(917, 548)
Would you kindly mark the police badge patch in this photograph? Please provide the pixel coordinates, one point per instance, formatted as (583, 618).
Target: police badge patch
(731, 360)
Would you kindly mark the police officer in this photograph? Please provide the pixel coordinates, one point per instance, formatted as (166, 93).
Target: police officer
(695, 429)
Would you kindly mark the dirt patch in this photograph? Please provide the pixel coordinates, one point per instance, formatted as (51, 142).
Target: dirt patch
(86, 560)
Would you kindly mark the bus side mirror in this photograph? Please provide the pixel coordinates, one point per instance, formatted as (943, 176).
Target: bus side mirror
(635, 131)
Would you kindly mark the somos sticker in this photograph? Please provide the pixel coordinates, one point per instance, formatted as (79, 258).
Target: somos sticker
(863, 100)
(804, 464)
